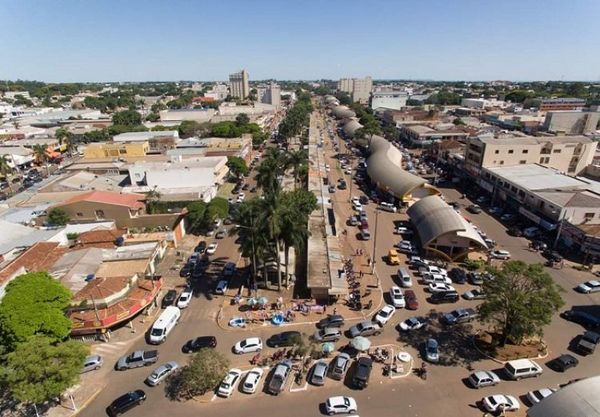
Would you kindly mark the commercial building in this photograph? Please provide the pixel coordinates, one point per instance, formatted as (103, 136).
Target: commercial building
(158, 141)
(238, 84)
(481, 103)
(195, 147)
(420, 135)
(565, 103)
(570, 154)
(444, 232)
(394, 100)
(17, 156)
(345, 85)
(574, 122)
(115, 150)
(218, 92)
(178, 116)
(358, 88)
(270, 94)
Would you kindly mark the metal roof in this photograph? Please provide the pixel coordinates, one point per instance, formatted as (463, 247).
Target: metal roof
(433, 218)
(351, 127)
(579, 399)
(536, 177)
(343, 111)
(383, 167)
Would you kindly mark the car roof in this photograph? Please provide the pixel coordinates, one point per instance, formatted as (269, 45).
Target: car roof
(252, 339)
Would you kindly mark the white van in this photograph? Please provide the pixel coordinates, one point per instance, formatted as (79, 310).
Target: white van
(165, 323)
(388, 207)
(522, 368)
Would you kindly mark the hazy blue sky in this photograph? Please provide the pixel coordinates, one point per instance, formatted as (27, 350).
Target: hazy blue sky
(131, 40)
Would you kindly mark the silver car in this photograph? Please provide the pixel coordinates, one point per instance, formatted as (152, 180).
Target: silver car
(160, 373)
(328, 334)
(319, 373)
(339, 366)
(92, 363)
(481, 379)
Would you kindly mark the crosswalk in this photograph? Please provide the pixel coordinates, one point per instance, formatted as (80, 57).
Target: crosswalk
(109, 349)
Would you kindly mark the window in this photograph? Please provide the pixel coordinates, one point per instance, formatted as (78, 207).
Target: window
(511, 151)
(79, 214)
(496, 151)
(522, 162)
(542, 160)
(525, 150)
(100, 214)
(588, 216)
(501, 162)
(556, 151)
(122, 151)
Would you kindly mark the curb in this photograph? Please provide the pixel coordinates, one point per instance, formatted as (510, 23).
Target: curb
(89, 400)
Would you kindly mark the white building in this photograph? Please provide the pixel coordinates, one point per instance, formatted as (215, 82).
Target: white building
(218, 92)
(481, 103)
(239, 84)
(18, 156)
(394, 100)
(358, 88)
(146, 136)
(270, 94)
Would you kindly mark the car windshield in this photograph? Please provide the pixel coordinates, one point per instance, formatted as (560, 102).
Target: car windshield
(243, 343)
(493, 401)
(346, 401)
(412, 321)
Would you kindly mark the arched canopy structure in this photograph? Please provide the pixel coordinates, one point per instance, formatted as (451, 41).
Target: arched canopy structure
(343, 112)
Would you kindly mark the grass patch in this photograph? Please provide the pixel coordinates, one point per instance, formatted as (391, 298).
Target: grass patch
(225, 190)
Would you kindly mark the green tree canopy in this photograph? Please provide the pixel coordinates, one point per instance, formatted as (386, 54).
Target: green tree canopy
(237, 166)
(520, 300)
(242, 119)
(202, 374)
(34, 304)
(127, 118)
(41, 368)
(58, 217)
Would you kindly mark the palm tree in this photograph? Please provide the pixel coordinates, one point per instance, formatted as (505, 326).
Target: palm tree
(250, 230)
(64, 136)
(271, 218)
(295, 159)
(6, 170)
(41, 155)
(294, 233)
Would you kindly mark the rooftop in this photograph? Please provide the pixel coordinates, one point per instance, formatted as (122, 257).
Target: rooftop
(536, 178)
(107, 197)
(143, 136)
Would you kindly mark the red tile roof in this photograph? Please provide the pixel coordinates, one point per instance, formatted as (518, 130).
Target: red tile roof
(38, 257)
(104, 239)
(108, 197)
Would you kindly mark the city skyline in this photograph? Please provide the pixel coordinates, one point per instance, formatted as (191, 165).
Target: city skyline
(155, 41)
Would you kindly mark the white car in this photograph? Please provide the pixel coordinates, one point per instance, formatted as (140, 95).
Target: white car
(355, 200)
(538, 395)
(500, 402)
(500, 254)
(185, 298)
(413, 323)
(397, 297)
(340, 405)
(402, 230)
(589, 286)
(385, 314)
(241, 197)
(440, 287)
(388, 207)
(433, 278)
(228, 384)
(432, 269)
(212, 248)
(357, 206)
(405, 246)
(252, 380)
(249, 345)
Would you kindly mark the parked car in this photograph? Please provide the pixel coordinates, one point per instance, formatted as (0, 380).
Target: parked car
(475, 294)
(365, 328)
(458, 275)
(393, 258)
(432, 350)
(169, 298)
(413, 323)
(514, 231)
(444, 297)
(92, 363)
(248, 345)
(353, 221)
(212, 248)
(279, 377)
(475, 278)
(460, 315)
(480, 379)
(333, 320)
(185, 298)
(534, 397)
(339, 366)
(404, 277)
(318, 374)
(440, 287)
(362, 372)
(328, 334)
(384, 315)
(186, 270)
(194, 345)
(340, 405)
(403, 230)
(581, 317)
(500, 254)
(411, 300)
(429, 278)
(531, 232)
(228, 384)
(564, 362)
(432, 269)
(288, 338)
(496, 403)
(474, 208)
(252, 380)
(397, 297)
(507, 217)
(126, 402)
(387, 207)
(552, 255)
(405, 246)
(137, 359)
(589, 287)
(417, 262)
(587, 342)
(161, 373)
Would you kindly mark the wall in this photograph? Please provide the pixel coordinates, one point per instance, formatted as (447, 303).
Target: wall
(572, 123)
(389, 100)
(87, 209)
(115, 150)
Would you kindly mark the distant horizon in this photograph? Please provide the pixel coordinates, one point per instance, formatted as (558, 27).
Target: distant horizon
(114, 41)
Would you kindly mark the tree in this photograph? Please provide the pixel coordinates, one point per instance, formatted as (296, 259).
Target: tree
(127, 118)
(6, 169)
(34, 304)
(295, 159)
(40, 153)
(153, 117)
(40, 368)
(58, 217)
(196, 215)
(520, 300)
(237, 166)
(242, 119)
(258, 139)
(202, 374)
(189, 128)
(66, 137)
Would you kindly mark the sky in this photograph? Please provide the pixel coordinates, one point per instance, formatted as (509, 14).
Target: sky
(170, 40)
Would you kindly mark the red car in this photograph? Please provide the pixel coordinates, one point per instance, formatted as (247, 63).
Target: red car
(411, 300)
(364, 225)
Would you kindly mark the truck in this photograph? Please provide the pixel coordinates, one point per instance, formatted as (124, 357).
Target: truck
(137, 359)
(587, 342)
(280, 376)
(461, 315)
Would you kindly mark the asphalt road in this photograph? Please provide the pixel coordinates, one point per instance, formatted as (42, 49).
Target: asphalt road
(443, 394)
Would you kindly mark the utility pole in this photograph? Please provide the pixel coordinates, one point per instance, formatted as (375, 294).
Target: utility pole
(560, 226)
(375, 245)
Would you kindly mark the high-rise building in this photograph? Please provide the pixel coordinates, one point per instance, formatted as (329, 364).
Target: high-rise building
(346, 85)
(239, 85)
(269, 94)
(359, 88)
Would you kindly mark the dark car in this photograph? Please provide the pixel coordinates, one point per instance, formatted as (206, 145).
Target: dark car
(362, 372)
(169, 298)
(201, 247)
(194, 345)
(515, 231)
(581, 317)
(474, 208)
(245, 186)
(587, 343)
(564, 362)
(363, 199)
(444, 297)
(334, 320)
(411, 300)
(220, 234)
(552, 255)
(539, 245)
(185, 271)
(283, 339)
(475, 278)
(342, 185)
(126, 402)
(458, 275)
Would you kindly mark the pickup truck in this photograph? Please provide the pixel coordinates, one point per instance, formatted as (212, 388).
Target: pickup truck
(137, 359)
(461, 315)
(280, 375)
(587, 342)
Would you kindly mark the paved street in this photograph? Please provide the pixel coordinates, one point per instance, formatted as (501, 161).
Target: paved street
(442, 394)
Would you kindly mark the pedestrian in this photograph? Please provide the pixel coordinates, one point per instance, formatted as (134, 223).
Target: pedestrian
(361, 274)
(324, 309)
(334, 311)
